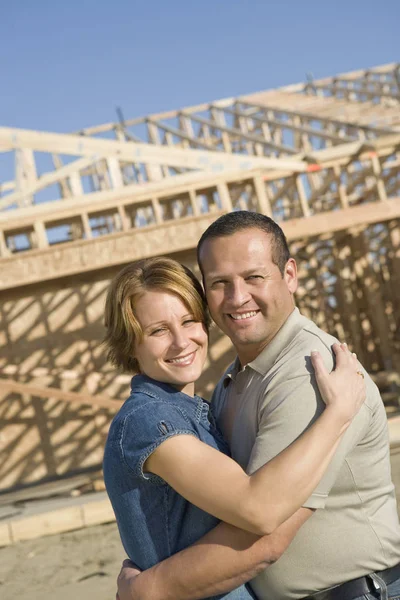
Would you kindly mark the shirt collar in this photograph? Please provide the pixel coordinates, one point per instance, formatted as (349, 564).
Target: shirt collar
(264, 361)
(231, 372)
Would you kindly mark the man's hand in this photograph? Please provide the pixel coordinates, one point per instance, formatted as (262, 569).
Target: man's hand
(128, 572)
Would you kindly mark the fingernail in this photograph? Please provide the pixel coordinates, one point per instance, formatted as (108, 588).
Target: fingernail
(313, 352)
(344, 344)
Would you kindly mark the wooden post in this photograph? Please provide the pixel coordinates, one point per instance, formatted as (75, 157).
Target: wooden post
(369, 282)
(223, 193)
(264, 205)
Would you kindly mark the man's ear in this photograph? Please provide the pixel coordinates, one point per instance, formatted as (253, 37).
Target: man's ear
(290, 275)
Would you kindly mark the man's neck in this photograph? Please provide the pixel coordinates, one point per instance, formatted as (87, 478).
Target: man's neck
(246, 354)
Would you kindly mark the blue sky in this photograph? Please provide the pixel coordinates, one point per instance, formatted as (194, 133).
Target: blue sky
(65, 65)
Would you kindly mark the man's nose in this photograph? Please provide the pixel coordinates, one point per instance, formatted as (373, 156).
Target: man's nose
(237, 294)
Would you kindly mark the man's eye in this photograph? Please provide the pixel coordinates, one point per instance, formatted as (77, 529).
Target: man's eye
(255, 277)
(218, 283)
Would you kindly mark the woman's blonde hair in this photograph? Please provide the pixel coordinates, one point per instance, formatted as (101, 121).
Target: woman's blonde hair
(123, 329)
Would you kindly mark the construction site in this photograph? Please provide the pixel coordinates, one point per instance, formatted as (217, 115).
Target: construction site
(320, 157)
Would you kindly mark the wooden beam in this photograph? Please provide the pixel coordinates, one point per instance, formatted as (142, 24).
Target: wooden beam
(324, 120)
(131, 152)
(98, 201)
(224, 102)
(172, 236)
(15, 387)
(102, 252)
(331, 221)
(46, 180)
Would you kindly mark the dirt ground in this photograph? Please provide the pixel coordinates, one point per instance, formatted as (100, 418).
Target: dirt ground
(80, 565)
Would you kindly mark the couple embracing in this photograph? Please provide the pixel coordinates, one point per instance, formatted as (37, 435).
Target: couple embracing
(281, 487)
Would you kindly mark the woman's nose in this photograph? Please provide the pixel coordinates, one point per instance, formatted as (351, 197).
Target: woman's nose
(180, 339)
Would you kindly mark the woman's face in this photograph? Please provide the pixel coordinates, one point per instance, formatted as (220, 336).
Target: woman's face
(174, 346)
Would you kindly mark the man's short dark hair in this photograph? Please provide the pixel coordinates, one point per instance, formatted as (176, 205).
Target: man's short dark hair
(242, 219)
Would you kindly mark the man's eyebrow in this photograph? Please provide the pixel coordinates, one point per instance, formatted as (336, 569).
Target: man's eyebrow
(251, 271)
(214, 276)
(254, 270)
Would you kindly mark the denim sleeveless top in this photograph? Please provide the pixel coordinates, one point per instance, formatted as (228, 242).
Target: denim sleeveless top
(154, 521)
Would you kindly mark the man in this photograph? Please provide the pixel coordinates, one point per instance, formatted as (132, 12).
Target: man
(344, 544)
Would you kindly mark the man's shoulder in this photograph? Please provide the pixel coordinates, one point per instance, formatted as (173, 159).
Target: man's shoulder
(311, 333)
(311, 337)
(298, 350)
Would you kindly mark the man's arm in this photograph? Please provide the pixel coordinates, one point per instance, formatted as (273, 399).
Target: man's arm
(222, 560)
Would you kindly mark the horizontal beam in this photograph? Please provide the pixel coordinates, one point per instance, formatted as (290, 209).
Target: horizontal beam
(107, 199)
(171, 185)
(106, 251)
(10, 386)
(172, 236)
(131, 152)
(332, 221)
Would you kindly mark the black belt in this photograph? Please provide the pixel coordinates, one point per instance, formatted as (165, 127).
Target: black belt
(357, 587)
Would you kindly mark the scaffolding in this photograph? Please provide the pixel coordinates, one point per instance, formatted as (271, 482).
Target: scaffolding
(321, 157)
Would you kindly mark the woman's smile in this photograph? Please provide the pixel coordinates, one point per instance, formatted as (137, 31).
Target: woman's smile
(182, 361)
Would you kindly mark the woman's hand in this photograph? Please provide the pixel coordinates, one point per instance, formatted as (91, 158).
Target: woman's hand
(344, 388)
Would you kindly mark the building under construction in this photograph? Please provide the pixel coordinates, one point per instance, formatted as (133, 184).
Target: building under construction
(322, 158)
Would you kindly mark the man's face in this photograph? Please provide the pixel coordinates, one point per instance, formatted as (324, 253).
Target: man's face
(248, 297)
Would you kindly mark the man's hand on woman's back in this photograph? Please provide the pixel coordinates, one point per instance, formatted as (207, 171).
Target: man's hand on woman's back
(128, 571)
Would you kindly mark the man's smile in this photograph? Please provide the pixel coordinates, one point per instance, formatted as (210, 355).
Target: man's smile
(244, 316)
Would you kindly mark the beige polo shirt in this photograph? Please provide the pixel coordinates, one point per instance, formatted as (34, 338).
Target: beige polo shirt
(268, 404)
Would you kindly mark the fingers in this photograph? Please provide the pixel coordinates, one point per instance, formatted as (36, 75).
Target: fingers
(344, 359)
(317, 362)
(343, 355)
(129, 563)
(320, 370)
(133, 569)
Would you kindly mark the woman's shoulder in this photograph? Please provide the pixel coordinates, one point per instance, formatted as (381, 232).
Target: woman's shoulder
(149, 404)
(143, 386)
(143, 392)
(150, 410)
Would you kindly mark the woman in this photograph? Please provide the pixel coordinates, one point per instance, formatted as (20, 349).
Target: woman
(166, 465)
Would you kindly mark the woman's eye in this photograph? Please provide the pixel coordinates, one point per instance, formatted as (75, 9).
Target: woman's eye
(189, 321)
(158, 331)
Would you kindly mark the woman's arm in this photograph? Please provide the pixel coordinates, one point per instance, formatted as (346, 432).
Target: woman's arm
(223, 559)
(261, 502)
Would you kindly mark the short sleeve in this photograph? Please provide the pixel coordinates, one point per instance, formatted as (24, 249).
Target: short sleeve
(292, 405)
(148, 426)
